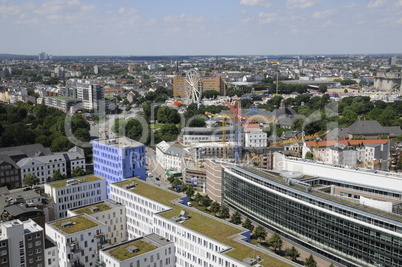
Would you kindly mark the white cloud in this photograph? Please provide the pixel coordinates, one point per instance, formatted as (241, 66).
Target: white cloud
(323, 14)
(6, 11)
(246, 21)
(376, 3)
(255, 3)
(183, 17)
(266, 18)
(328, 23)
(63, 6)
(302, 3)
(399, 21)
(399, 3)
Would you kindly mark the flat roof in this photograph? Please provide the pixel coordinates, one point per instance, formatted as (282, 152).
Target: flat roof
(74, 224)
(130, 249)
(95, 208)
(211, 227)
(120, 142)
(84, 179)
(333, 200)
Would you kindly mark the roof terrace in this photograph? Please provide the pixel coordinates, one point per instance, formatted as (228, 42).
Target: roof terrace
(75, 224)
(68, 182)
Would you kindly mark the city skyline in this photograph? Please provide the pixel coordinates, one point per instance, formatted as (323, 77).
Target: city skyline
(245, 27)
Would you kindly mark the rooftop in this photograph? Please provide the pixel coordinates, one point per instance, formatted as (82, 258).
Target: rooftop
(323, 197)
(130, 249)
(75, 224)
(84, 179)
(120, 142)
(99, 207)
(201, 223)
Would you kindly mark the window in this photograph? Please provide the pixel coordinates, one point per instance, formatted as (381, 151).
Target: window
(38, 243)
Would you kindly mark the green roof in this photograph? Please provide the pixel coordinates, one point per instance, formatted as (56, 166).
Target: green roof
(85, 179)
(213, 228)
(74, 224)
(93, 208)
(121, 253)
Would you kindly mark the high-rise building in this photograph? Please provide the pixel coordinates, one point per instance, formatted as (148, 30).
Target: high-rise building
(207, 81)
(22, 244)
(118, 159)
(43, 56)
(392, 61)
(89, 92)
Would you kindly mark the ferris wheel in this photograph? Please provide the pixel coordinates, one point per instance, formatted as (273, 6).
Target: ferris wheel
(193, 92)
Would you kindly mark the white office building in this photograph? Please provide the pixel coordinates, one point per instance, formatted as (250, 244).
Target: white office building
(78, 239)
(74, 193)
(150, 250)
(256, 138)
(112, 214)
(154, 210)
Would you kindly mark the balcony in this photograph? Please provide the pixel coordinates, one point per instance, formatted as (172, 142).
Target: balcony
(100, 263)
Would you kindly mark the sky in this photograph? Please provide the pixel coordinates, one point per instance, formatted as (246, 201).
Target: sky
(200, 27)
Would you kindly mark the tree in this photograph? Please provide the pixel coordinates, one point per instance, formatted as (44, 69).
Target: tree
(190, 191)
(198, 122)
(275, 241)
(198, 197)
(293, 253)
(30, 180)
(168, 132)
(260, 233)
(57, 176)
(224, 212)
(322, 88)
(236, 218)
(310, 261)
(206, 201)
(331, 265)
(309, 155)
(215, 207)
(78, 171)
(248, 225)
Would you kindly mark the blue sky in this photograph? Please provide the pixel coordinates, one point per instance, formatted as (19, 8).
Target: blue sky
(200, 27)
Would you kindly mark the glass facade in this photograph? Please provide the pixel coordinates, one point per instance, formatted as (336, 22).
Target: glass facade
(354, 237)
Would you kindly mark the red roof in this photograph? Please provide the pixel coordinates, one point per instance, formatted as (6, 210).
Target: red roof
(346, 142)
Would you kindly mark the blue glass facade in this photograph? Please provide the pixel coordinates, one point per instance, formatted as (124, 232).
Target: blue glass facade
(116, 162)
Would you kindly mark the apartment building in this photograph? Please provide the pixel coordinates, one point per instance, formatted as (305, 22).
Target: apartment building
(149, 250)
(9, 173)
(207, 81)
(44, 166)
(78, 239)
(374, 153)
(74, 193)
(62, 103)
(22, 244)
(89, 92)
(109, 212)
(118, 159)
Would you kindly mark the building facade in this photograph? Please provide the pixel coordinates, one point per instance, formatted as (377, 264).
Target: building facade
(112, 214)
(207, 81)
(118, 159)
(22, 244)
(74, 193)
(341, 230)
(150, 250)
(78, 240)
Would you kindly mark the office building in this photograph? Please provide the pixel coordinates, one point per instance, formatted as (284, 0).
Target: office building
(89, 92)
(112, 214)
(78, 240)
(62, 103)
(392, 61)
(22, 244)
(9, 173)
(118, 159)
(42, 56)
(255, 138)
(150, 250)
(74, 193)
(340, 229)
(207, 81)
(171, 156)
(199, 240)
